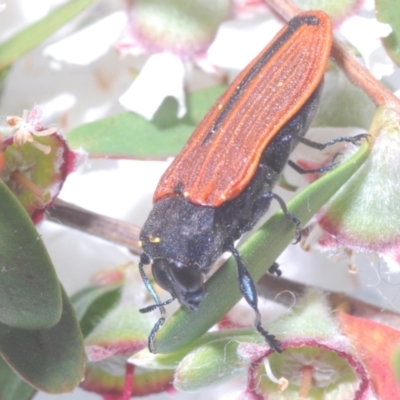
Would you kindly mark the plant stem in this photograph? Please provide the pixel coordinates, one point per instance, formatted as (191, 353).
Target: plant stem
(306, 381)
(129, 381)
(110, 229)
(284, 291)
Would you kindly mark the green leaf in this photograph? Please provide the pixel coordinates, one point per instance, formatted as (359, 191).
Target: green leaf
(151, 361)
(92, 304)
(124, 329)
(129, 135)
(223, 292)
(12, 387)
(30, 295)
(35, 34)
(388, 11)
(222, 361)
(51, 360)
(189, 26)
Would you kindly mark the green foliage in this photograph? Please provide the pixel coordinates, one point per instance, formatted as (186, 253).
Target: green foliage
(129, 135)
(12, 387)
(30, 295)
(51, 360)
(92, 303)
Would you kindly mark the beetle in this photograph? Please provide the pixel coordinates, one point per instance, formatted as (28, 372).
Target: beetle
(221, 183)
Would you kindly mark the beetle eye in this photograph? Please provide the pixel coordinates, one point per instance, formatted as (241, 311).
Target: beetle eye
(184, 283)
(187, 280)
(160, 274)
(189, 286)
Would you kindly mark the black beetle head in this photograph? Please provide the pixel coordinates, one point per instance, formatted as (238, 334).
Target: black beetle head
(183, 240)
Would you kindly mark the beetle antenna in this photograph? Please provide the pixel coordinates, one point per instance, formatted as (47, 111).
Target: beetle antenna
(152, 335)
(144, 259)
(248, 289)
(148, 309)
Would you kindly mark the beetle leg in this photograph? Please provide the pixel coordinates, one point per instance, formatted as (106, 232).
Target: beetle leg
(248, 289)
(275, 270)
(144, 259)
(320, 146)
(288, 216)
(301, 170)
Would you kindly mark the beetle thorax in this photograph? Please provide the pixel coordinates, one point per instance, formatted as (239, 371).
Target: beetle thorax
(183, 241)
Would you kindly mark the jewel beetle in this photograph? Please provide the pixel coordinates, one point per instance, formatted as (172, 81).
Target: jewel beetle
(221, 183)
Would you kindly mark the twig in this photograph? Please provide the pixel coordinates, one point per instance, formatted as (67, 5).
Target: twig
(271, 287)
(358, 75)
(283, 291)
(110, 229)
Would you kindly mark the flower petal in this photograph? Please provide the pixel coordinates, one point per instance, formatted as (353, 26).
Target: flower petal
(365, 34)
(239, 41)
(376, 345)
(163, 75)
(89, 44)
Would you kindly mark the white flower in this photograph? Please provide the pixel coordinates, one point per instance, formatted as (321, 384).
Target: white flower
(163, 75)
(239, 41)
(89, 44)
(365, 35)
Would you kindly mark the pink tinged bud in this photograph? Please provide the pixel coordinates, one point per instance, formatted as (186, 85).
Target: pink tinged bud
(364, 215)
(37, 161)
(110, 276)
(318, 360)
(178, 26)
(122, 332)
(118, 381)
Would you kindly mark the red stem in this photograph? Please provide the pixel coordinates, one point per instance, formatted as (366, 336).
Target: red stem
(128, 385)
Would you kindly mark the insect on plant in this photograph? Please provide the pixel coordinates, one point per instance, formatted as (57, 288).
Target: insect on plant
(221, 183)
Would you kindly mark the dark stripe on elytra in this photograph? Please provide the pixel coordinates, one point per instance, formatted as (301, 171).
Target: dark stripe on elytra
(293, 25)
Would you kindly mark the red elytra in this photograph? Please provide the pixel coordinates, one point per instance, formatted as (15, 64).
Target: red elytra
(223, 153)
